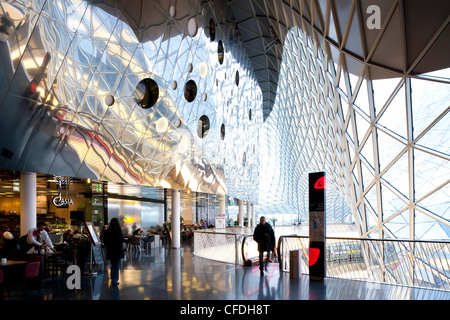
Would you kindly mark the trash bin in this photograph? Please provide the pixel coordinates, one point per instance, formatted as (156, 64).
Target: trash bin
(294, 264)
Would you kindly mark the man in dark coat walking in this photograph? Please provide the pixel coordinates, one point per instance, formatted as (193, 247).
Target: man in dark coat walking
(265, 237)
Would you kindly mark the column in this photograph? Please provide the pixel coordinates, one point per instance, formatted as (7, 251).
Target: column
(222, 206)
(248, 215)
(176, 218)
(28, 217)
(241, 213)
(253, 216)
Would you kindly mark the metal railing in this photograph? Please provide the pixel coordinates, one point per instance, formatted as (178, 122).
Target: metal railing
(422, 264)
(219, 246)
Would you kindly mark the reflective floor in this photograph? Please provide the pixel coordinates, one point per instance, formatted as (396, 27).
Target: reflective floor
(176, 274)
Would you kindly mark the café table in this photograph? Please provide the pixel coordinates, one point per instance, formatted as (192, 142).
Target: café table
(11, 268)
(44, 259)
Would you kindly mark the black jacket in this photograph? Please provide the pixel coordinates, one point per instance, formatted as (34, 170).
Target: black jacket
(265, 237)
(113, 244)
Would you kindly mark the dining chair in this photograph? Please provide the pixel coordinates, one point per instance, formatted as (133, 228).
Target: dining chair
(31, 271)
(69, 257)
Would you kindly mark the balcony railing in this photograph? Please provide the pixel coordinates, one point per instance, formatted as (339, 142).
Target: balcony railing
(424, 264)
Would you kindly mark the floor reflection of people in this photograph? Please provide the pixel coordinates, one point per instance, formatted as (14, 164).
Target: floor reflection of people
(265, 292)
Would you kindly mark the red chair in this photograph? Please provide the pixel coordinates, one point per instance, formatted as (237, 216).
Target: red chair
(31, 271)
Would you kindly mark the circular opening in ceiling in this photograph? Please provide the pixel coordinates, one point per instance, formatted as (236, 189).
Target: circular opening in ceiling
(162, 124)
(203, 70)
(237, 78)
(222, 131)
(172, 11)
(190, 91)
(146, 93)
(212, 29)
(192, 27)
(109, 100)
(203, 126)
(220, 53)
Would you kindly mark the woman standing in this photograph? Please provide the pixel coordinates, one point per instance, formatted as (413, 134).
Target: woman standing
(113, 240)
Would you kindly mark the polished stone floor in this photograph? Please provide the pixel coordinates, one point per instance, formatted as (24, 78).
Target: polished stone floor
(176, 274)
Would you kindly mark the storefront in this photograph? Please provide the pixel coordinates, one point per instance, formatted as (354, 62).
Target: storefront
(62, 202)
(67, 203)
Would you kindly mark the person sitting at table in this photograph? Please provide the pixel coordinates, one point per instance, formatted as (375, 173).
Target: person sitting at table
(67, 235)
(39, 237)
(76, 234)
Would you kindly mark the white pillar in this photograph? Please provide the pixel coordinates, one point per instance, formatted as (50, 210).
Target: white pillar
(28, 217)
(176, 274)
(249, 218)
(241, 213)
(176, 218)
(253, 216)
(222, 206)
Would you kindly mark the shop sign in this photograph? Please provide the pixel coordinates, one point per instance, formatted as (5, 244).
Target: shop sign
(59, 201)
(62, 181)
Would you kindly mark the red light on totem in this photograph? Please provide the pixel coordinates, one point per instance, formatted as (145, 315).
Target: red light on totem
(320, 183)
(313, 255)
(33, 87)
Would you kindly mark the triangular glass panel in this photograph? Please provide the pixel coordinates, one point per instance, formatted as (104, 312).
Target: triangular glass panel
(399, 225)
(398, 175)
(391, 204)
(343, 83)
(371, 220)
(394, 117)
(438, 202)
(367, 174)
(427, 228)
(429, 172)
(382, 90)
(438, 137)
(350, 135)
(367, 151)
(353, 82)
(371, 198)
(427, 107)
(388, 148)
(361, 126)
(362, 98)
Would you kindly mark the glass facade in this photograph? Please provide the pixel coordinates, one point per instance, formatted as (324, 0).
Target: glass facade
(383, 144)
(184, 99)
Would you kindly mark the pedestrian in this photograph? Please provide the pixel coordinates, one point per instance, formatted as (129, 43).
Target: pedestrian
(265, 237)
(114, 240)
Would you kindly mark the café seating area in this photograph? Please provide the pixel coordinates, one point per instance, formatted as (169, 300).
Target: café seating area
(22, 269)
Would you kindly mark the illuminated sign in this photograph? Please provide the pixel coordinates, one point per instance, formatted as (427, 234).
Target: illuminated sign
(62, 181)
(317, 225)
(320, 183)
(60, 201)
